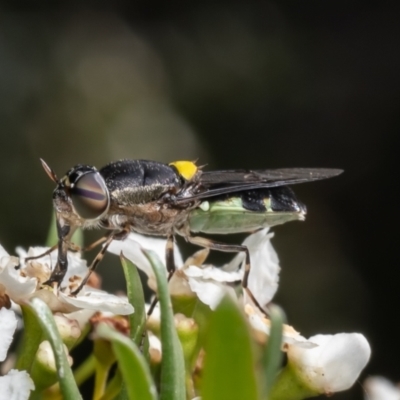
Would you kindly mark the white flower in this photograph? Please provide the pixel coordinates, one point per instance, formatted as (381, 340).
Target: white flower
(379, 388)
(16, 385)
(208, 282)
(24, 283)
(334, 365)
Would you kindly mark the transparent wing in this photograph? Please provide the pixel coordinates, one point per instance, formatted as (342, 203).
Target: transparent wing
(214, 183)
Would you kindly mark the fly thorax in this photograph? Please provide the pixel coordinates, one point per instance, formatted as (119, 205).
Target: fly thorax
(117, 221)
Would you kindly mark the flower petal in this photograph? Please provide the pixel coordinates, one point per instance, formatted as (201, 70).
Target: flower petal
(264, 273)
(3, 252)
(98, 300)
(8, 323)
(132, 247)
(213, 273)
(16, 385)
(379, 388)
(18, 287)
(209, 292)
(82, 317)
(335, 364)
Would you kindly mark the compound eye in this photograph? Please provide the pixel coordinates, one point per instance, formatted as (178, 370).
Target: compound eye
(89, 196)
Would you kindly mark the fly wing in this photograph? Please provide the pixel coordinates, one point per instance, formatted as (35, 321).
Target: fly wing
(214, 183)
(267, 177)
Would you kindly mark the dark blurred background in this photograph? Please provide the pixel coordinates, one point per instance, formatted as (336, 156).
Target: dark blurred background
(250, 84)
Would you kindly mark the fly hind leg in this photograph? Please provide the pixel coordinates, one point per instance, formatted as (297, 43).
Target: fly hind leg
(230, 248)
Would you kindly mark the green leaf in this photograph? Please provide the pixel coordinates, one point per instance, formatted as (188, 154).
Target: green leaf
(272, 357)
(172, 364)
(31, 339)
(137, 320)
(136, 374)
(229, 366)
(67, 382)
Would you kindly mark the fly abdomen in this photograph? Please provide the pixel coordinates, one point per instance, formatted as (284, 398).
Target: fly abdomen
(246, 211)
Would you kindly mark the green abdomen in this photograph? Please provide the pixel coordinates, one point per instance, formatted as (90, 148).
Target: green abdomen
(230, 216)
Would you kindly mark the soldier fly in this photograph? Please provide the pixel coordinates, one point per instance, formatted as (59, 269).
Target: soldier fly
(153, 198)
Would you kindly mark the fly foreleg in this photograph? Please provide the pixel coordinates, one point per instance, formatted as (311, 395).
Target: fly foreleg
(115, 235)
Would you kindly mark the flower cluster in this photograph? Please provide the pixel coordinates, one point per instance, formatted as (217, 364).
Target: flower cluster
(324, 364)
(21, 281)
(321, 364)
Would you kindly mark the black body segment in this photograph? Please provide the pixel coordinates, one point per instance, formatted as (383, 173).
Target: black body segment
(281, 199)
(139, 181)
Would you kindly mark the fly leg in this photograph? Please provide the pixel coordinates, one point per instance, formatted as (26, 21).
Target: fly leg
(230, 248)
(91, 246)
(71, 246)
(64, 232)
(115, 235)
(170, 264)
(95, 244)
(169, 257)
(63, 246)
(46, 253)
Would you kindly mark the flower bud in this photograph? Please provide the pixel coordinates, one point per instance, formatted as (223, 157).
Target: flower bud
(68, 328)
(44, 369)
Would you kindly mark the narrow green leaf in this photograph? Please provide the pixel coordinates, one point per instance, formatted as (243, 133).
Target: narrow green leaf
(134, 288)
(136, 374)
(272, 357)
(31, 339)
(172, 364)
(229, 370)
(137, 320)
(67, 382)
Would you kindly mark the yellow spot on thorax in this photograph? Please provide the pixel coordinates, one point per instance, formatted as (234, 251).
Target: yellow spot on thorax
(186, 169)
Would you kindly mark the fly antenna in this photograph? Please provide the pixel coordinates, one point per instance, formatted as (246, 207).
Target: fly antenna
(51, 174)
